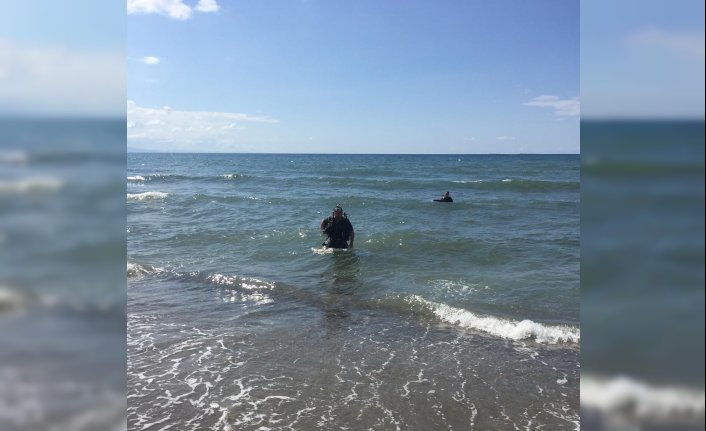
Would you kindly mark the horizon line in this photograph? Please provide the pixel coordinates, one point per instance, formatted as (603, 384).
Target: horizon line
(352, 154)
(103, 116)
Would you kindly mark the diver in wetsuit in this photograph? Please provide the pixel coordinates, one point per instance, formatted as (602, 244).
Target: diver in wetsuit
(445, 198)
(338, 229)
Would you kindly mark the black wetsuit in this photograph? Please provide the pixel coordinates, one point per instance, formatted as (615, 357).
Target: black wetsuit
(446, 199)
(338, 232)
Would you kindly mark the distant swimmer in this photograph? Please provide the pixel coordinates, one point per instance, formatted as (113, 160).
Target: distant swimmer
(338, 229)
(445, 198)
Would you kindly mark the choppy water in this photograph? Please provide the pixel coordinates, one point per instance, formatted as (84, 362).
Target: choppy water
(642, 275)
(443, 315)
(238, 320)
(62, 279)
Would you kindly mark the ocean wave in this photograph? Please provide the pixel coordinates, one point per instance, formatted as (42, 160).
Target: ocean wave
(30, 185)
(180, 177)
(640, 169)
(377, 184)
(77, 156)
(136, 269)
(13, 157)
(625, 403)
(13, 300)
(168, 177)
(504, 328)
(146, 196)
(521, 185)
(198, 199)
(232, 176)
(414, 304)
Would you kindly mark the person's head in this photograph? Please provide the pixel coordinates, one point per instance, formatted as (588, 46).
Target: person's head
(338, 212)
(446, 195)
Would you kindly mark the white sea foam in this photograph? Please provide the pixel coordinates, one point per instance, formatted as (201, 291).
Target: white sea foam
(514, 330)
(232, 176)
(146, 196)
(12, 300)
(136, 269)
(625, 403)
(28, 405)
(15, 157)
(324, 250)
(242, 282)
(28, 185)
(136, 178)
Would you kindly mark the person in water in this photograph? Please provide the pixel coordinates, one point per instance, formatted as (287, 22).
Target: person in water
(445, 198)
(338, 229)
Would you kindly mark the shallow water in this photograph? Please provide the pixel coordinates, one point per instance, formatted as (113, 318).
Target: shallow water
(443, 315)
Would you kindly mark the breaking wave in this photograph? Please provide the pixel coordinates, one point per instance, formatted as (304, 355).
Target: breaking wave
(504, 328)
(146, 196)
(624, 403)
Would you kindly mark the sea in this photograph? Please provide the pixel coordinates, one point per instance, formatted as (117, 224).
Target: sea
(62, 274)
(642, 275)
(452, 316)
(443, 316)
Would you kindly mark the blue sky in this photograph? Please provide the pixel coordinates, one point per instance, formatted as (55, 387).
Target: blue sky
(322, 76)
(62, 58)
(81, 25)
(642, 59)
(355, 77)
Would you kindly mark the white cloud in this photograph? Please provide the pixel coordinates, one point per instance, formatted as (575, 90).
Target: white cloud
(57, 81)
(690, 45)
(168, 129)
(506, 138)
(207, 6)
(175, 9)
(150, 60)
(566, 107)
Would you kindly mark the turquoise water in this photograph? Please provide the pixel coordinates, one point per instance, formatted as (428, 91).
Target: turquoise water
(443, 315)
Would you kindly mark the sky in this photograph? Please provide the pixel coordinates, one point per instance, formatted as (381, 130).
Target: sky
(642, 59)
(62, 58)
(378, 77)
(353, 77)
